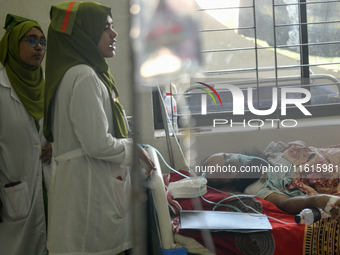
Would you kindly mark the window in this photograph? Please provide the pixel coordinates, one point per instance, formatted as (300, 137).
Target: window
(266, 44)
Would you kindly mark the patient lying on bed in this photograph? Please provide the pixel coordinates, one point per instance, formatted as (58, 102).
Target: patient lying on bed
(237, 174)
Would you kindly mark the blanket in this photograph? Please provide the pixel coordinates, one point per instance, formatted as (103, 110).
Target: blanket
(316, 170)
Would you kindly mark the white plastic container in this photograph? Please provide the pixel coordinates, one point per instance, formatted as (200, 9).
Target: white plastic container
(172, 118)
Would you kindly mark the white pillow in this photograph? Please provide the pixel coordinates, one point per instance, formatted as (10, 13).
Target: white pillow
(188, 187)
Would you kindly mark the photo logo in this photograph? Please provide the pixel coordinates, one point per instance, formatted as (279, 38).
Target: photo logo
(238, 100)
(204, 97)
(238, 104)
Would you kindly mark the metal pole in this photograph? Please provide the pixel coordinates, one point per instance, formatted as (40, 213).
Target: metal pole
(304, 51)
(138, 193)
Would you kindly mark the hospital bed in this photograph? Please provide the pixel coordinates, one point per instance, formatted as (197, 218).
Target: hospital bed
(168, 244)
(282, 239)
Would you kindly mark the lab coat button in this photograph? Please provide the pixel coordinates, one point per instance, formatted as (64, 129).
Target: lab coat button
(38, 147)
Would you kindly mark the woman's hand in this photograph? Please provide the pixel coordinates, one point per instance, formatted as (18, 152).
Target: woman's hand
(46, 154)
(146, 161)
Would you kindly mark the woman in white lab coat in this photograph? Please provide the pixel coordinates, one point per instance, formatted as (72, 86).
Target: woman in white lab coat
(84, 120)
(23, 173)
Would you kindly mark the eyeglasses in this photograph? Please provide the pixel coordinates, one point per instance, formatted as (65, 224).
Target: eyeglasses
(34, 42)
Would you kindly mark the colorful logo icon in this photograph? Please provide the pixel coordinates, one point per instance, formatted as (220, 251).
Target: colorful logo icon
(204, 97)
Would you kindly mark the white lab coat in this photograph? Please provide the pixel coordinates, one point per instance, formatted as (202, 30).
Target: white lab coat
(86, 204)
(23, 230)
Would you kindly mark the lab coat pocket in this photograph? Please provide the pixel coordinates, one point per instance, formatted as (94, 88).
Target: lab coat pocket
(121, 191)
(16, 201)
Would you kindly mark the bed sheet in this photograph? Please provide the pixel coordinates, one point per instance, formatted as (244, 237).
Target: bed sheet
(283, 239)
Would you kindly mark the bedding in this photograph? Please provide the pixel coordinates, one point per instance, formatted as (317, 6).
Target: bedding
(316, 170)
(283, 239)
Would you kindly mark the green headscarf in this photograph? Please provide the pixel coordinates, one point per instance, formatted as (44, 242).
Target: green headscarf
(74, 32)
(27, 81)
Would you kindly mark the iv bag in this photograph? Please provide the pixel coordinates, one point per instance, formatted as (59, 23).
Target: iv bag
(165, 39)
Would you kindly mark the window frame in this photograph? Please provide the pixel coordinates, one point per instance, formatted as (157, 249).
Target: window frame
(305, 75)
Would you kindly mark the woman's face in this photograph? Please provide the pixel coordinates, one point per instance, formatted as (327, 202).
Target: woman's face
(32, 56)
(108, 39)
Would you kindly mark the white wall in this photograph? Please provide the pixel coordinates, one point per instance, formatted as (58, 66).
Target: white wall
(316, 135)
